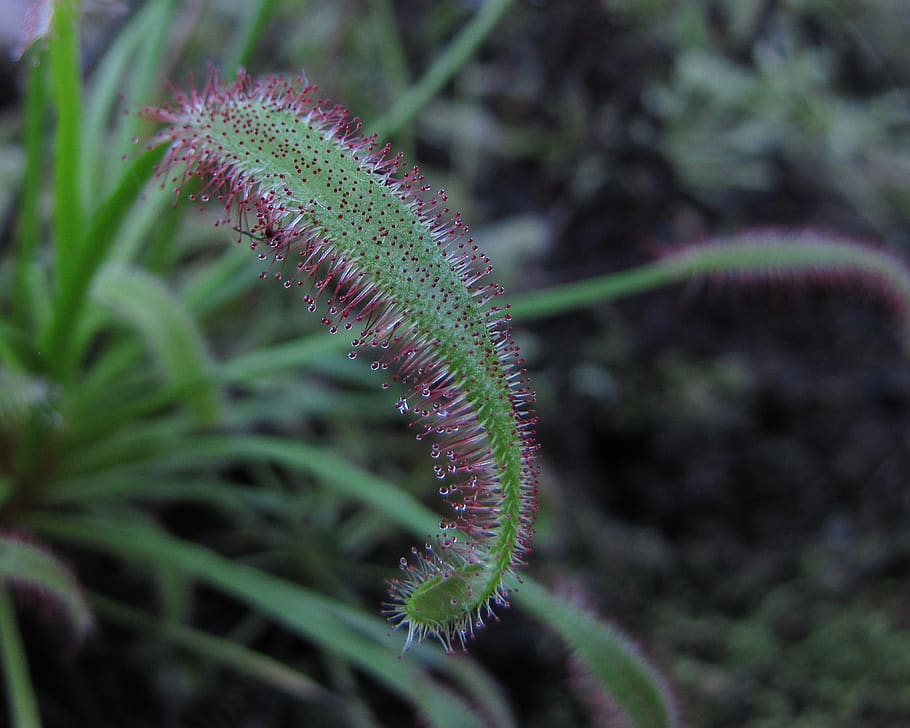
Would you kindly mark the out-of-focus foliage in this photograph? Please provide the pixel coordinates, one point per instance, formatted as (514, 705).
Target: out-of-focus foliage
(752, 89)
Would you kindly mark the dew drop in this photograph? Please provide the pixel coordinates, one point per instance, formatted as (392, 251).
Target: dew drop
(352, 355)
(402, 405)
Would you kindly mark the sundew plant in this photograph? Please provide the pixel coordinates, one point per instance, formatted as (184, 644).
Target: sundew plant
(224, 323)
(397, 269)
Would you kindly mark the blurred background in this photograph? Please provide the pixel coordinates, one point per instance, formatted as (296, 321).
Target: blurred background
(724, 467)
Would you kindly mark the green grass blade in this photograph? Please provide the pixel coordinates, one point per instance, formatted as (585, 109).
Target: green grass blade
(63, 43)
(443, 69)
(328, 467)
(251, 28)
(145, 444)
(148, 69)
(168, 329)
(611, 659)
(93, 248)
(217, 650)
(300, 610)
(220, 282)
(29, 223)
(285, 356)
(126, 483)
(23, 705)
(110, 80)
(16, 349)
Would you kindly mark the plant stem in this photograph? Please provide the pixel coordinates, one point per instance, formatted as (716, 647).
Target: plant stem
(570, 296)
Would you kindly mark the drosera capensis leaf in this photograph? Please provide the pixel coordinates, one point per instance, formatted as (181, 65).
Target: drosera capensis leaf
(386, 260)
(777, 256)
(45, 580)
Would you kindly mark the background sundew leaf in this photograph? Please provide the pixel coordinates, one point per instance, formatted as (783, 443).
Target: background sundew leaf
(386, 260)
(42, 577)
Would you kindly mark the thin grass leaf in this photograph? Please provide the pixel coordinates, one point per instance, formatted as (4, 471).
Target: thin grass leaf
(23, 705)
(16, 349)
(121, 389)
(63, 44)
(128, 484)
(28, 232)
(300, 610)
(219, 283)
(393, 63)
(280, 357)
(145, 444)
(110, 79)
(149, 68)
(250, 29)
(329, 467)
(217, 650)
(446, 65)
(93, 248)
(168, 329)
